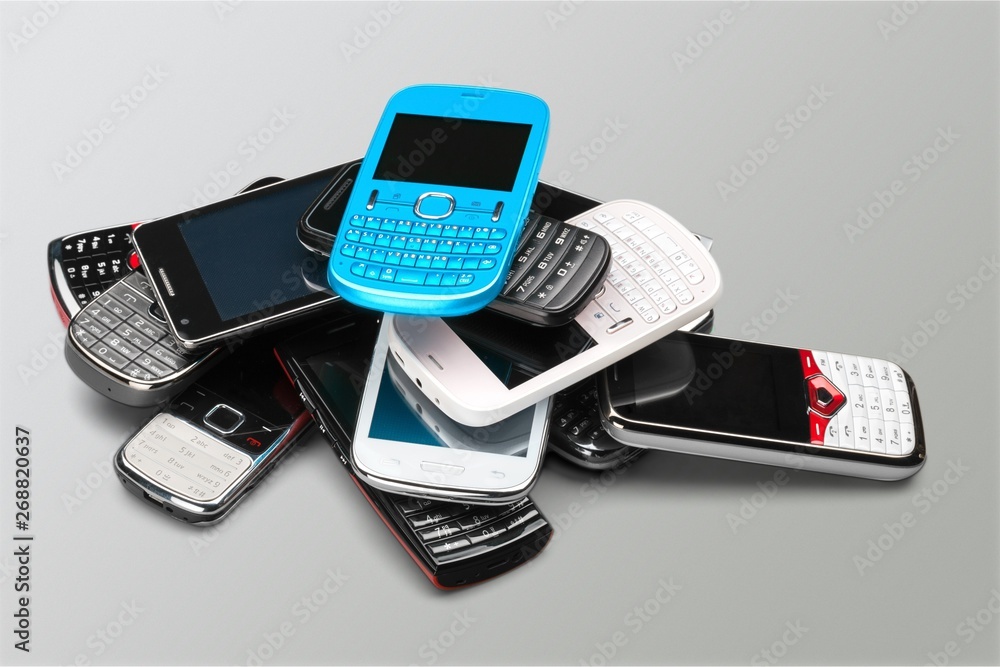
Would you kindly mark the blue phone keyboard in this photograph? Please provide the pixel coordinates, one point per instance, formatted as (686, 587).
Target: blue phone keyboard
(416, 252)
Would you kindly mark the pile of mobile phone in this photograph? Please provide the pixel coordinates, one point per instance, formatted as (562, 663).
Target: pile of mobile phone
(445, 319)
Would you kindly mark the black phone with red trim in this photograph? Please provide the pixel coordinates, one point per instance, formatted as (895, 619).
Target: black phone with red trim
(801, 408)
(454, 544)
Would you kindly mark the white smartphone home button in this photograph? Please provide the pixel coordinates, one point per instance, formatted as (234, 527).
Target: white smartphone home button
(429, 466)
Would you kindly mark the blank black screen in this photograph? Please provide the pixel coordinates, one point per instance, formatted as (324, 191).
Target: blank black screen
(247, 253)
(453, 151)
(742, 390)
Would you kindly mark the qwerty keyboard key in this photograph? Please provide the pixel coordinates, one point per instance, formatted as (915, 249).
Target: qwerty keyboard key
(408, 277)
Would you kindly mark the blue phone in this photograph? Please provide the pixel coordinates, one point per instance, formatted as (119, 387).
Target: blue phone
(433, 220)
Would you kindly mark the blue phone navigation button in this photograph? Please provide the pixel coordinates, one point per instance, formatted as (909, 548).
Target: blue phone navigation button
(434, 205)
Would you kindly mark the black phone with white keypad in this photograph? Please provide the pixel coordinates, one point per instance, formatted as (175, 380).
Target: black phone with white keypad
(802, 408)
(217, 440)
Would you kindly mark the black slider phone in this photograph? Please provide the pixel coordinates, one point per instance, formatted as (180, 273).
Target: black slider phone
(557, 269)
(217, 440)
(454, 544)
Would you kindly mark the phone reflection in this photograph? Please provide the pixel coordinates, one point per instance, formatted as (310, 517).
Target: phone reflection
(659, 371)
(509, 437)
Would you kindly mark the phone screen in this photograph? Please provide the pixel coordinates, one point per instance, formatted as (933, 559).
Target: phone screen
(339, 373)
(514, 351)
(731, 386)
(436, 150)
(247, 253)
(403, 414)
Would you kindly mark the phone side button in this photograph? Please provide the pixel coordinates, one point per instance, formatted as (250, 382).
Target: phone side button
(429, 466)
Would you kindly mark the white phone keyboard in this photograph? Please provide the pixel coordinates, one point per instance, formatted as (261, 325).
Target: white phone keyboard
(178, 456)
(875, 413)
(661, 272)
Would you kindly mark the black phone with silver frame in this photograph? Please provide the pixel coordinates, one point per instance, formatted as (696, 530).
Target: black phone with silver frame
(216, 441)
(234, 268)
(783, 406)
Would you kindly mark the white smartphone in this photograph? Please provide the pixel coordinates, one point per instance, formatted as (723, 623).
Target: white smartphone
(481, 368)
(404, 444)
(506, 437)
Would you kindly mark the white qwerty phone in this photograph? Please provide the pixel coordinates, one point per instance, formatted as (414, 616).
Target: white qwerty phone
(480, 369)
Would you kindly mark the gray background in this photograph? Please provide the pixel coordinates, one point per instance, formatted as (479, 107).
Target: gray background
(214, 595)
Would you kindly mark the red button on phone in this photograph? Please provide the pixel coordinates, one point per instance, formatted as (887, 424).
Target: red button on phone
(817, 428)
(133, 261)
(824, 398)
(808, 363)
